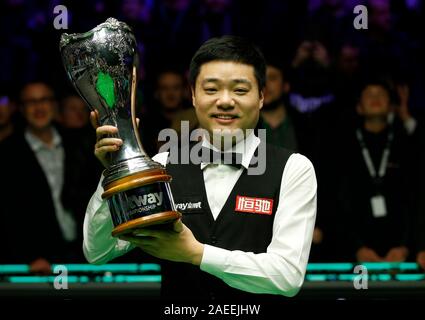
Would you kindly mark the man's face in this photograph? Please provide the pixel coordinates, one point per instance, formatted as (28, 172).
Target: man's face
(170, 90)
(39, 105)
(75, 114)
(275, 85)
(349, 59)
(380, 14)
(374, 101)
(226, 96)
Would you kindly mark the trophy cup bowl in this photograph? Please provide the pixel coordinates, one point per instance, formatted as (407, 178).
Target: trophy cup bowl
(102, 65)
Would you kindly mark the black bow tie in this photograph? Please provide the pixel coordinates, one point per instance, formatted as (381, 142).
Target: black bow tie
(230, 158)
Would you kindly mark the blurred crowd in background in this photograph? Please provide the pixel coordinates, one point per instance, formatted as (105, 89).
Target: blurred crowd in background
(352, 100)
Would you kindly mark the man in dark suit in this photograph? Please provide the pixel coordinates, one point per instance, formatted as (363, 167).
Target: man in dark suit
(45, 186)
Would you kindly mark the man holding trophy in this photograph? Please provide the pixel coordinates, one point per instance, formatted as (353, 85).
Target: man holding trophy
(228, 234)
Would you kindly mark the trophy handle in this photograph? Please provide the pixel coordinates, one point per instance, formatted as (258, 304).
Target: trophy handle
(133, 108)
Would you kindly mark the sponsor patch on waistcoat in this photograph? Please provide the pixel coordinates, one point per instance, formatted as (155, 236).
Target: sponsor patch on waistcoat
(254, 205)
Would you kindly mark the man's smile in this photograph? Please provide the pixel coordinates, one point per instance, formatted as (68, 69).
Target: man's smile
(224, 118)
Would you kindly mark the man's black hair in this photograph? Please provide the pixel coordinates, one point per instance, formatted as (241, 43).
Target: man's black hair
(278, 63)
(232, 49)
(48, 84)
(382, 82)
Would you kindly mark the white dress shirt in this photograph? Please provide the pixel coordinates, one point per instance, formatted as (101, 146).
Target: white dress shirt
(280, 270)
(221, 178)
(51, 160)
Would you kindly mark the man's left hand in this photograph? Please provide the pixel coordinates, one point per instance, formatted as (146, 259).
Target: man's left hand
(403, 108)
(421, 259)
(178, 244)
(397, 254)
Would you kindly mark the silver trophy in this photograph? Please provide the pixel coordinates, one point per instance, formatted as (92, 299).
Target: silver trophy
(102, 65)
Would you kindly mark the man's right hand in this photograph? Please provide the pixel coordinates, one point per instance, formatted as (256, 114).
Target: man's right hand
(104, 144)
(40, 266)
(365, 254)
(317, 235)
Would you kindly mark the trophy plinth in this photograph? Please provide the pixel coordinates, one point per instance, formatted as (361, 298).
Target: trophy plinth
(102, 65)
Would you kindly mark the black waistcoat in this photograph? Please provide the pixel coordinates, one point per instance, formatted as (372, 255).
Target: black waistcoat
(232, 230)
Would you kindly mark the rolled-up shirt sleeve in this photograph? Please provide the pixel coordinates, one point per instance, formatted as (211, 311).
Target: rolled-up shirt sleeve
(99, 246)
(281, 269)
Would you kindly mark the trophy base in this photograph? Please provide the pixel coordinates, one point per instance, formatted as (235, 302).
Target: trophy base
(143, 222)
(140, 200)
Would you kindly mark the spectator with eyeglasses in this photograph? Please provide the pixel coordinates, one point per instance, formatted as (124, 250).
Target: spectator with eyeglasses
(41, 200)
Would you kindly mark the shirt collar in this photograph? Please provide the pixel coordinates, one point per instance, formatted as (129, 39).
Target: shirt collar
(246, 147)
(36, 144)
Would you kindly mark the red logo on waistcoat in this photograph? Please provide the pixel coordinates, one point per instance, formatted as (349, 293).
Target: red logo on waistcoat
(254, 205)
